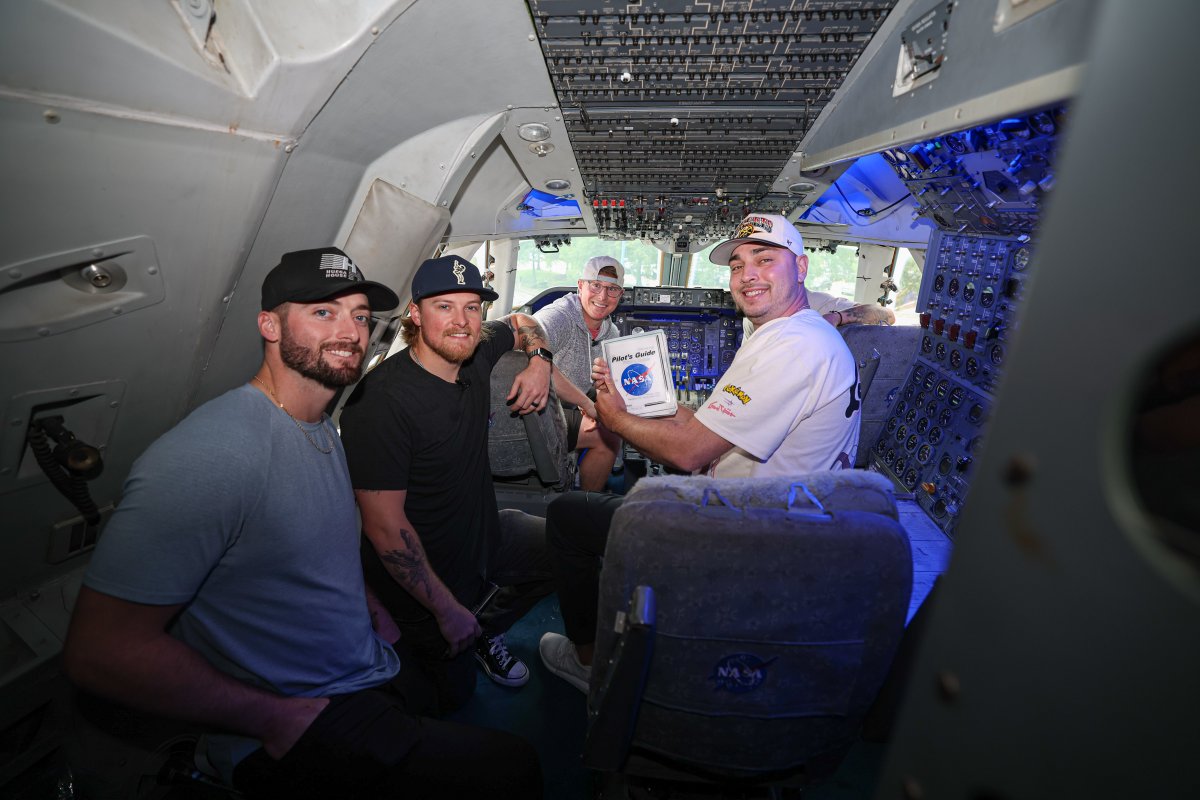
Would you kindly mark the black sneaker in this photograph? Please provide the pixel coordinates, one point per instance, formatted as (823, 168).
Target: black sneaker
(499, 664)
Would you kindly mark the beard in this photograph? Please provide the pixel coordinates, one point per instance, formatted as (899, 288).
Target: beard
(310, 363)
(451, 349)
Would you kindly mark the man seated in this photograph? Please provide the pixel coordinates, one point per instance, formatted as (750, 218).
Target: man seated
(575, 325)
(228, 591)
(788, 404)
(416, 440)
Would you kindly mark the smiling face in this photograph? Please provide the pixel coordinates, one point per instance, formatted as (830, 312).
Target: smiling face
(325, 341)
(449, 324)
(766, 281)
(599, 298)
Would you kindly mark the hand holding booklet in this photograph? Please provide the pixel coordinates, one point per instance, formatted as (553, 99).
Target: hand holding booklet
(641, 370)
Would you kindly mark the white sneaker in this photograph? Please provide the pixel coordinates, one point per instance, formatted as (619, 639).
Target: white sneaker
(558, 654)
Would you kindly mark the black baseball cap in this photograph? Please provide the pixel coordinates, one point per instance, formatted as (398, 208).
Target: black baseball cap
(306, 276)
(448, 274)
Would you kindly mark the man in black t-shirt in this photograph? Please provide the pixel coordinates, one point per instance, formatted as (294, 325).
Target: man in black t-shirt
(415, 434)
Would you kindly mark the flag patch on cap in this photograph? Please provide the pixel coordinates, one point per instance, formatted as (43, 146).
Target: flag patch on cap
(339, 266)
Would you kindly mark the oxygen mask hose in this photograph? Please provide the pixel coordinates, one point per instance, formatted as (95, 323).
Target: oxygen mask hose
(69, 466)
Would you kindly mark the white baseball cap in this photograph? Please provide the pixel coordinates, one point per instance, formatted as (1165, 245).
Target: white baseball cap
(770, 229)
(591, 270)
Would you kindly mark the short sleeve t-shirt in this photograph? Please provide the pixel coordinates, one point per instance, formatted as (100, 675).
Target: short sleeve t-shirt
(407, 429)
(237, 515)
(788, 402)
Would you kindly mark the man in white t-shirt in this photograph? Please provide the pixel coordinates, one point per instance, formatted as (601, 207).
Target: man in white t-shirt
(788, 404)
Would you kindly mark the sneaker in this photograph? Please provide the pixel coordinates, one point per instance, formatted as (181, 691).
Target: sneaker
(558, 654)
(499, 664)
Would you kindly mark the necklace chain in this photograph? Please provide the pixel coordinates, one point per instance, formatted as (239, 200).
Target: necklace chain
(326, 449)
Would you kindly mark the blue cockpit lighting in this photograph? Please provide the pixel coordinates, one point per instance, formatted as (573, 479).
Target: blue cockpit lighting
(542, 205)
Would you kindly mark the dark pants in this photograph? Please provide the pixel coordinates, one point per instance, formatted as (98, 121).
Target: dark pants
(366, 745)
(576, 535)
(520, 566)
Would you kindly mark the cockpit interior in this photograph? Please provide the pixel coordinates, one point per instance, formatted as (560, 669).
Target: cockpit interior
(992, 176)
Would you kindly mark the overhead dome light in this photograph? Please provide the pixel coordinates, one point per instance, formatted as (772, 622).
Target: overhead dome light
(803, 187)
(541, 148)
(558, 184)
(534, 132)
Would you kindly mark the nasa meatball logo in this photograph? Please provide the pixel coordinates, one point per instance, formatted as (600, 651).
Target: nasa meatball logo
(636, 380)
(739, 673)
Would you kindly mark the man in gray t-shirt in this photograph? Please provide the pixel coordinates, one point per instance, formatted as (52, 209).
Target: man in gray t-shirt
(575, 324)
(227, 589)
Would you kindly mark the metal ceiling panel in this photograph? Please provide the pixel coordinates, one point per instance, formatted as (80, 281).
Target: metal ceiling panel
(682, 115)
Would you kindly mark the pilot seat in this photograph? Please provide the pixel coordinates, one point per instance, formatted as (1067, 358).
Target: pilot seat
(529, 457)
(743, 642)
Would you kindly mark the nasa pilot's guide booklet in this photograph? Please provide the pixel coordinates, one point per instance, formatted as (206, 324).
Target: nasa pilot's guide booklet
(642, 372)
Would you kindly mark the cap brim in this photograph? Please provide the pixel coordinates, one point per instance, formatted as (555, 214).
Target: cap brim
(380, 297)
(484, 294)
(724, 251)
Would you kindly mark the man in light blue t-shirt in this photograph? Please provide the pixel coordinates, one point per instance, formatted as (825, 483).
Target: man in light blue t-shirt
(227, 589)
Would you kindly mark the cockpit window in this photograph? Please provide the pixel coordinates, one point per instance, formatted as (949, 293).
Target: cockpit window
(705, 274)
(907, 277)
(538, 271)
(833, 272)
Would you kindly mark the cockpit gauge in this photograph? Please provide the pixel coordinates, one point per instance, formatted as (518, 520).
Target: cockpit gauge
(1021, 258)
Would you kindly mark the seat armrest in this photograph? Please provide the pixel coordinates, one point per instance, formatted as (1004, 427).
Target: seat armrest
(616, 704)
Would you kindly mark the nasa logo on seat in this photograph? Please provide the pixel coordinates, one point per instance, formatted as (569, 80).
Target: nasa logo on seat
(636, 380)
(740, 673)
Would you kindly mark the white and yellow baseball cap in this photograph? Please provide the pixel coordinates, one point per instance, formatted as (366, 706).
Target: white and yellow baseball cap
(770, 229)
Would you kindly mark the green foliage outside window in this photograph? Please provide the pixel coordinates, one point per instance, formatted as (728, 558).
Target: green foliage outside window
(537, 271)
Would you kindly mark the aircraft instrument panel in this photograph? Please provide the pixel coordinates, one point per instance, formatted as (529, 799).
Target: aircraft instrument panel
(702, 331)
(984, 190)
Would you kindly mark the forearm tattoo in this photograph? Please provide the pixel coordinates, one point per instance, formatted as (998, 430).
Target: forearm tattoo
(530, 336)
(408, 566)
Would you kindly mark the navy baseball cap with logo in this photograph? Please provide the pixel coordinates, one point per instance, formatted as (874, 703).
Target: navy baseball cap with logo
(306, 276)
(448, 274)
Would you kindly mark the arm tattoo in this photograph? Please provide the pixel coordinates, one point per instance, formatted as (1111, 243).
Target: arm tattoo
(530, 336)
(408, 566)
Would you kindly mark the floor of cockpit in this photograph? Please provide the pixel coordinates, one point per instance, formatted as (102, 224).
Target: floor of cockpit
(552, 714)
